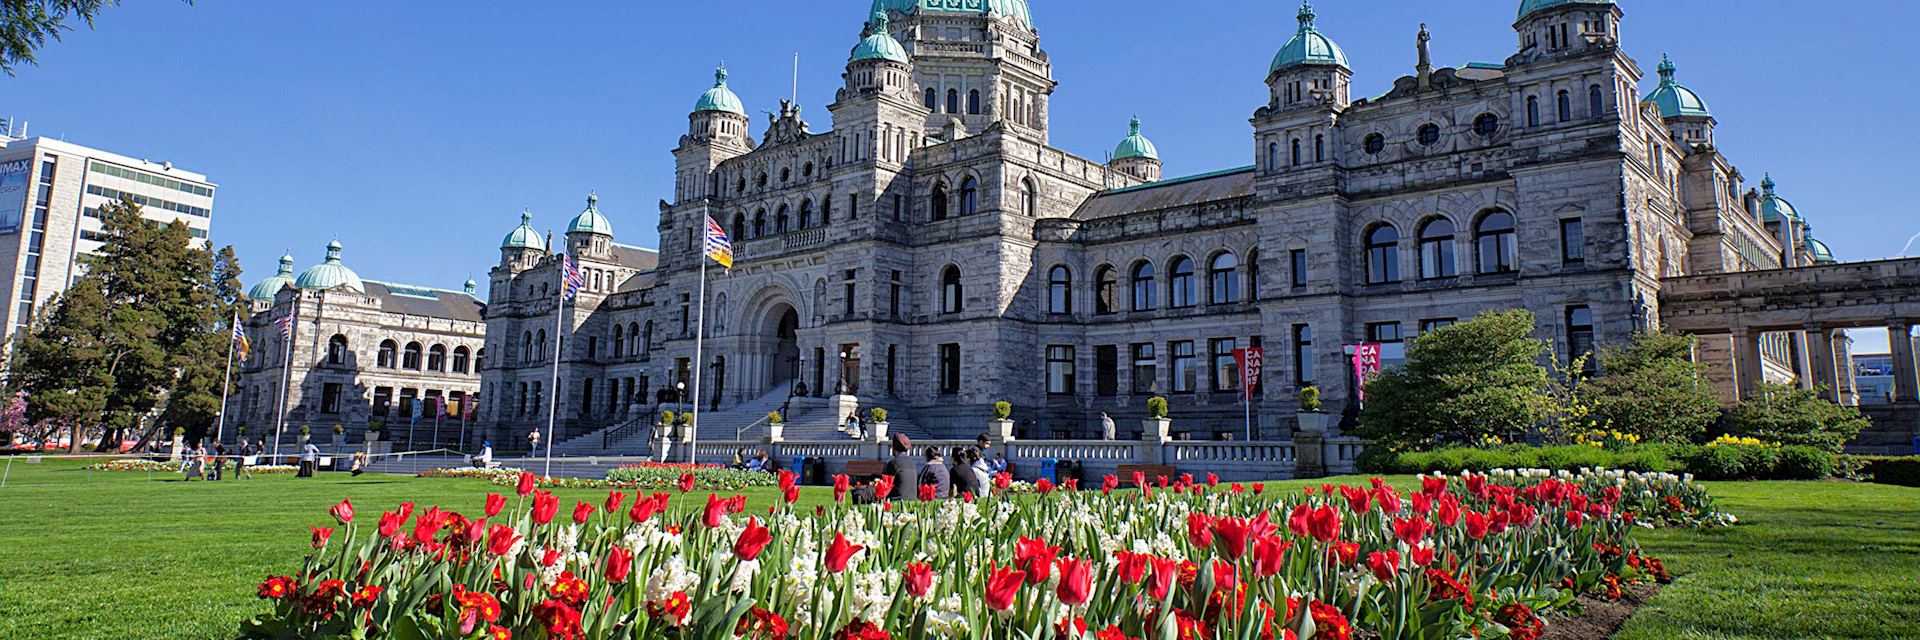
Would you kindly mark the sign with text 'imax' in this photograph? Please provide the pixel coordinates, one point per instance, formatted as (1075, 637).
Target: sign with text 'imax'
(13, 193)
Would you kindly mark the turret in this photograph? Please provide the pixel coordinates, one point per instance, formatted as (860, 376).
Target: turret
(590, 235)
(1309, 70)
(1686, 115)
(717, 130)
(1784, 221)
(1136, 155)
(1553, 27)
(523, 247)
(879, 63)
(267, 289)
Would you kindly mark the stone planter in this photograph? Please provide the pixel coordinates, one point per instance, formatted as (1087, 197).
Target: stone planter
(373, 436)
(776, 431)
(179, 444)
(1156, 430)
(1309, 445)
(879, 431)
(1000, 430)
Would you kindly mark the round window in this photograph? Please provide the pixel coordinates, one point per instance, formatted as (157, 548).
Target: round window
(1486, 125)
(1376, 143)
(1429, 134)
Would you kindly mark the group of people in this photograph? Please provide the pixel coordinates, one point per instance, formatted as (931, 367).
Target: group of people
(201, 463)
(756, 460)
(964, 471)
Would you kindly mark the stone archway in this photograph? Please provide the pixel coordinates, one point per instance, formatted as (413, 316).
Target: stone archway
(782, 326)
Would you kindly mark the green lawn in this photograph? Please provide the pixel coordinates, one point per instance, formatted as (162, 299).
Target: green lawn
(117, 555)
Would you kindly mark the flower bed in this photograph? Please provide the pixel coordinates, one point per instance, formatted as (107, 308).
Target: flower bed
(644, 476)
(162, 466)
(1473, 555)
(1724, 459)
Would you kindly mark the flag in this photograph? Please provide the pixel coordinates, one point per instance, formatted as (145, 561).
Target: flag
(286, 325)
(571, 283)
(718, 247)
(241, 344)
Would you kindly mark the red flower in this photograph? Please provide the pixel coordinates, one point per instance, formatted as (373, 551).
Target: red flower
(1165, 570)
(1232, 535)
(1477, 524)
(1043, 486)
(790, 495)
(1421, 556)
(320, 536)
(1345, 552)
(569, 589)
(1389, 499)
(840, 552)
(641, 510)
(1384, 564)
(614, 500)
(1108, 483)
(1324, 524)
(841, 484)
(581, 512)
(1002, 480)
(1132, 567)
(752, 540)
(918, 578)
(1443, 586)
(1034, 557)
(1574, 519)
(737, 504)
(716, 511)
(1328, 623)
(1199, 530)
(1003, 583)
(1411, 530)
(367, 596)
(1076, 583)
(1269, 556)
(1297, 520)
(527, 484)
(619, 564)
(862, 630)
(761, 624)
(929, 492)
(277, 588)
(883, 488)
(686, 482)
(495, 502)
(545, 506)
(501, 538)
(498, 632)
(562, 622)
(390, 524)
(342, 512)
(1357, 498)
(788, 480)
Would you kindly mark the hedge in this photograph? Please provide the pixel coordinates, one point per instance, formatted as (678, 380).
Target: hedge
(1704, 462)
(1897, 470)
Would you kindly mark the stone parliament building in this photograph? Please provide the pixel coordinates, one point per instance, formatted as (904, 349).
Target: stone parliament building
(933, 254)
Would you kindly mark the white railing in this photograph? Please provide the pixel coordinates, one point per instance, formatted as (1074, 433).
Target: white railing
(1103, 450)
(845, 450)
(1229, 452)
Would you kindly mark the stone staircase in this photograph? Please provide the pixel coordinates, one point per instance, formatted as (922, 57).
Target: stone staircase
(807, 420)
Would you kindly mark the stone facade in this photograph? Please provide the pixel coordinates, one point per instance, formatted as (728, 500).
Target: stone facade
(932, 254)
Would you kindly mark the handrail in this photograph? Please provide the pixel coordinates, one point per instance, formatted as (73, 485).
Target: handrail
(763, 420)
(621, 433)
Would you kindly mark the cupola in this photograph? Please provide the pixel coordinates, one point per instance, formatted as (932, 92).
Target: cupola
(270, 287)
(330, 274)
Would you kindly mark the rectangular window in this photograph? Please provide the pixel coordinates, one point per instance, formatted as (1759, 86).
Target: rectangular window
(846, 307)
(586, 398)
(382, 401)
(1106, 370)
(895, 290)
(1186, 368)
(1059, 370)
(1302, 355)
(1393, 348)
(1299, 258)
(1146, 369)
(330, 398)
(1573, 242)
(1580, 335)
(893, 363)
(949, 368)
(1436, 323)
(1225, 370)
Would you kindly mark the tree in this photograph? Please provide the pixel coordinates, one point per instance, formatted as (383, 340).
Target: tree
(27, 25)
(1653, 389)
(1461, 384)
(206, 327)
(1790, 415)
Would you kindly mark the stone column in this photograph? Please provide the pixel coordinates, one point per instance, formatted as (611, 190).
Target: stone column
(1822, 371)
(1747, 372)
(1905, 387)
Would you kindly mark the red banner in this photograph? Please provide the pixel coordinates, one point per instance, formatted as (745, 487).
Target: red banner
(1251, 361)
(1366, 362)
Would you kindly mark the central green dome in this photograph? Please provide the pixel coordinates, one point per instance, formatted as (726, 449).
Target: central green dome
(1308, 46)
(720, 98)
(590, 220)
(1135, 145)
(1673, 99)
(1016, 9)
(1530, 7)
(330, 274)
(270, 287)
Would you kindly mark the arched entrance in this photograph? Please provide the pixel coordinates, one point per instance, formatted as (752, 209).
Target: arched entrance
(785, 332)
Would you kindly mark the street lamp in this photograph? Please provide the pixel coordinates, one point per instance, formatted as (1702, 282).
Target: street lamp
(840, 385)
(679, 397)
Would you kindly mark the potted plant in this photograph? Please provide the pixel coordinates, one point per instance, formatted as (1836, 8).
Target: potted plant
(776, 426)
(1311, 419)
(374, 428)
(686, 426)
(1310, 399)
(1001, 426)
(339, 436)
(306, 433)
(1156, 427)
(179, 442)
(666, 418)
(877, 424)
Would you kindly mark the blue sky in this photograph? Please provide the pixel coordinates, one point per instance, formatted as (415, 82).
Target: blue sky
(416, 131)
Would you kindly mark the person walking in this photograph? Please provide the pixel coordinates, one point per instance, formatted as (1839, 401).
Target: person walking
(244, 460)
(359, 463)
(1106, 426)
(904, 469)
(309, 459)
(219, 461)
(935, 474)
(533, 442)
(197, 462)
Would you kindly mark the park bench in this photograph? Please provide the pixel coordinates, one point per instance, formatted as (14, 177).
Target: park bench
(864, 470)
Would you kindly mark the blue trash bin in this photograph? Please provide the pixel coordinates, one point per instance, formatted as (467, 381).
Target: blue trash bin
(1048, 468)
(799, 465)
(1916, 445)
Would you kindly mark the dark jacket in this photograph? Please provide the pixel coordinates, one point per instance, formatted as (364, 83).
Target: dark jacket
(905, 469)
(936, 474)
(964, 481)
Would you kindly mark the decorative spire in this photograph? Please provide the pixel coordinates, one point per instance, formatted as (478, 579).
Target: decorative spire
(593, 199)
(526, 216)
(1666, 69)
(1306, 15)
(1133, 127)
(720, 75)
(1766, 184)
(472, 287)
(333, 251)
(880, 21)
(286, 263)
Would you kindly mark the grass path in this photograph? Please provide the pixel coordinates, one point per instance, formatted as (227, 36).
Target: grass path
(116, 555)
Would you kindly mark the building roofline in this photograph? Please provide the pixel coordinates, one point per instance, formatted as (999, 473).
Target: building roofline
(1180, 180)
(109, 156)
(391, 285)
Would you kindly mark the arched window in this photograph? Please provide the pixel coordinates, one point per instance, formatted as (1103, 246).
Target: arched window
(939, 202)
(1029, 198)
(1180, 283)
(826, 210)
(389, 350)
(1223, 279)
(437, 358)
(950, 293)
(806, 214)
(1319, 148)
(1296, 152)
(760, 223)
(619, 341)
(1533, 111)
(1495, 239)
(1383, 255)
(1564, 104)
(973, 102)
(410, 359)
(540, 345)
(780, 220)
(933, 99)
(526, 347)
(1059, 290)
(643, 341)
(1143, 291)
(1273, 156)
(1106, 291)
(1596, 104)
(969, 197)
(337, 349)
(461, 359)
(953, 101)
(1436, 249)
(739, 227)
(479, 359)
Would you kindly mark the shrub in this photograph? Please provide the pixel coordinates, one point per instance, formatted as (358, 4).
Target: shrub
(773, 417)
(1896, 470)
(377, 426)
(306, 430)
(877, 414)
(1002, 410)
(1156, 407)
(339, 429)
(686, 419)
(1791, 415)
(1463, 383)
(1310, 399)
(1707, 462)
(1803, 463)
(1652, 389)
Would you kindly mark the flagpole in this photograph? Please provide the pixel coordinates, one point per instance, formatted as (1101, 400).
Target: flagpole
(699, 337)
(226, 383)
(553, 408)
(286, 374)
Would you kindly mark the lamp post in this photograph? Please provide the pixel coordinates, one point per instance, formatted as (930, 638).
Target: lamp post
(679, 397)
(840, 384)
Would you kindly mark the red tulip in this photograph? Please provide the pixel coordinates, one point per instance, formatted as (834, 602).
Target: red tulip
(1199, 530)
(883, 488)
(619, 563)
(840, 552)
(390, 524)
(1002, 480)
(581, 512)
(1259, 488)
(1213, 480)
(918, 578)
(686, 482)
(342, 512)
(752, 540)
(1477, 524)
(1574, 519)
(1043, 486)
(841, 484)
(790, 495)
(1165, 570)
(320, 536)
(495, 502)
(715, 513)
(1324, 524)
(1346, 552)
(1132, 567)
(1108, 483)
(1448, 511)
(1411, 530)
(929, 492)
(1003, 583)
(1139, 479)
(527, 484)
(545, 506)
(1421, 556)
(788, 480)
(614, 500)
(1035, 558)
(641, 510)
(1297, 521)
(1076, 582)
(501, 538)
(1231, 534)
(1384, 564)
(1357, 498)
(1225, 576)
(1270, 556)
(1432, 487)
(1389, 499)
(737, 504)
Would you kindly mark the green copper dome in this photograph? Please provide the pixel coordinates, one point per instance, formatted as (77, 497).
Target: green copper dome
(880, 45)
(271, 286)
(1675, 100)
(1774, 208)
(590, 220)
(1016, 9)
(472, 288)
(720, 98)
(524, 236)
(330, 274)
(1821, 254)
(1530, 7)
(1308, 46)
(1135, 145)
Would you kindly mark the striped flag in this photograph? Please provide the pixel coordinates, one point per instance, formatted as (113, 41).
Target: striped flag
(286, 325)
(718, 247)
(241, 344)
(573, 281)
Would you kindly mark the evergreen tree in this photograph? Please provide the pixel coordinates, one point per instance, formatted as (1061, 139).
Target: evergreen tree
(1462, 384)
(1653, 389)
(27, 25)
(1787, 414)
